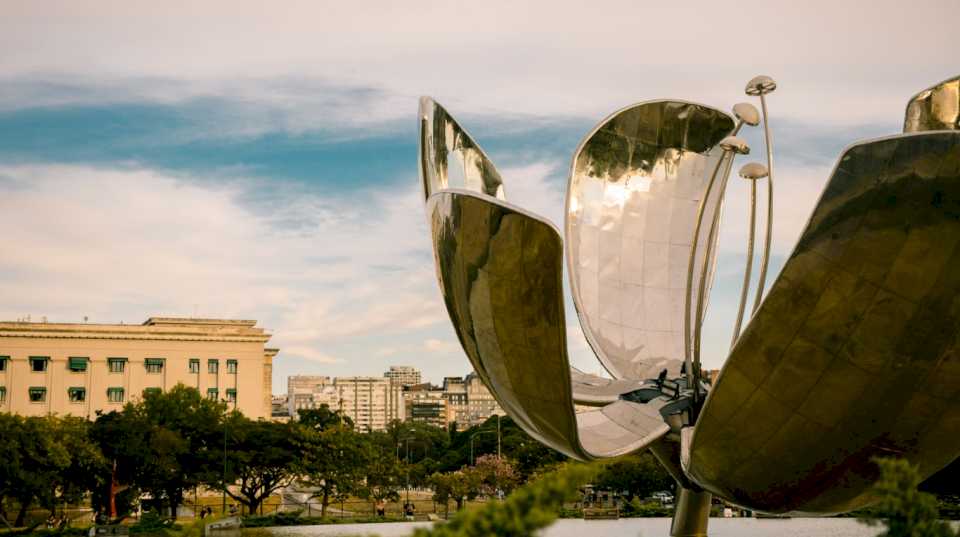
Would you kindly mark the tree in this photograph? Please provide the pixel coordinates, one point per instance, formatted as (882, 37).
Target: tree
(263, 456)
(903, 510)
(459, 486)
(164, 444)
(496, 475)
(382, 476)
(637, 475)
(333, 460)
(322, 418)
(523, 513)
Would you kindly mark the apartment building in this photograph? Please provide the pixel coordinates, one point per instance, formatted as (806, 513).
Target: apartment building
(371, 402)
(80, 369)
(403, 375)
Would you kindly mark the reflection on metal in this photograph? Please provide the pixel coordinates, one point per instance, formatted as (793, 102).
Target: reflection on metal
(442, 137)
(851, 355)
(500, 268)
(752, 172)
(761, 86)
(635, 185)
(935, 108)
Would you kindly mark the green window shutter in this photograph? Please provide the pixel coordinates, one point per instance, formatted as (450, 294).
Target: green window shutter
(38, 394)
(153, 390)
(3, 394)
(77, 363)
(194, 365)
(115, 395)
(154, 365)
(77, 394)
(231, 366)
(3, 362)
(212, 393)
(116, 365)
(38, 363)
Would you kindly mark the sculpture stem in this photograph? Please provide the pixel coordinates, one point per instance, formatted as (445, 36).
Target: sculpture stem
(749, 268)
(687, 306)
(769, 233)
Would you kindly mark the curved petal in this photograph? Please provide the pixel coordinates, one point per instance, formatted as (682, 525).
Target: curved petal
(635, 185)
(442, 137)
(935, 108)
(499, 269)
(853, 354)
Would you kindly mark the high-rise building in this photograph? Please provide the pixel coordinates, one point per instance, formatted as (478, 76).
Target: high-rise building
(403, 375)
(480, 402)
(455, 393)
(80, 369)
(426, 404)
(371, 402)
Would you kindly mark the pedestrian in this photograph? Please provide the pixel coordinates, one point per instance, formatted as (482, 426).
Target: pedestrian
(203, 513)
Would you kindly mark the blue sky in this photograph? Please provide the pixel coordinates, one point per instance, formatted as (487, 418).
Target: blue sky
(230, 160)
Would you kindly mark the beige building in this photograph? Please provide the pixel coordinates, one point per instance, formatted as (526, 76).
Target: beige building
(480, 402)
(371, 402)
(424, 403)
(79, 369)
(403, 375)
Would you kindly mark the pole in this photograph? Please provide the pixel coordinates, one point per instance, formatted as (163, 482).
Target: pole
(766, 242)
(746, 273)
(223, 509)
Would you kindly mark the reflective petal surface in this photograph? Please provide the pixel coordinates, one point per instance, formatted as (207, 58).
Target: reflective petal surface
(635, 186)
(854, 352)
(450, 158)
(935, 108)
(499, 269)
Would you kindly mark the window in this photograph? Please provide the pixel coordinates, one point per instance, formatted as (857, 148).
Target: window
(3, 394)
(154, 365)
(77, 364)
(231, 366)
(213, 393)
(115, 395)
(194, 365)
(152, 391)
(3, 362)
(38, 395)
(231, 395)
(38, 364)
(213, 366)
(77, 395)
(116, 365)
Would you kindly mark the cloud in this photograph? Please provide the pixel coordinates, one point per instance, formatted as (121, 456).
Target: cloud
(834, 64)
(437, 345)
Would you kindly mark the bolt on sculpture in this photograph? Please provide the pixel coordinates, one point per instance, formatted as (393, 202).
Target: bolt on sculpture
(853, 353)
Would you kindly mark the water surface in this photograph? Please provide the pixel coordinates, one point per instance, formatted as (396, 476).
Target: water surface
(627, 527)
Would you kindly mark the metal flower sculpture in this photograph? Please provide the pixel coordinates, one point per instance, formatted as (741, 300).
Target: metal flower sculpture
(852, 354)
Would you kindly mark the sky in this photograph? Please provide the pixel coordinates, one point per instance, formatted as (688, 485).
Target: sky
(257, 160)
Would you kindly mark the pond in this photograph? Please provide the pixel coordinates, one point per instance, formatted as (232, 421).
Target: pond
(630, 527)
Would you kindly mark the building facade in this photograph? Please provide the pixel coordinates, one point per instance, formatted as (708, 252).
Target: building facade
(480, 402)
(403, 375)
(80, 369)
(371, 402)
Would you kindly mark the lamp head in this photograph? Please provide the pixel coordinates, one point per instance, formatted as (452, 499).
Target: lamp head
(747, 113)
(735, 144)
(760, 85)
(753, 171)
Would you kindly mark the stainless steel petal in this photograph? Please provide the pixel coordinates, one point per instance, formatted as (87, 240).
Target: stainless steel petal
(635, 184)
(935, 108)
(499, 269)
(854, 352)
(443, 139)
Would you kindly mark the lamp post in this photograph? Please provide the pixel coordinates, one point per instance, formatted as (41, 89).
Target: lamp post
(474, 435)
